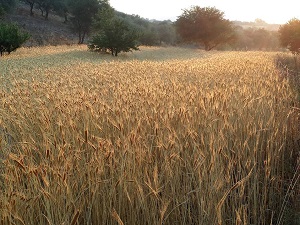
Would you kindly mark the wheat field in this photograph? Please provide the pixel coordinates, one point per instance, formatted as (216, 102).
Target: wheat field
(161, 136)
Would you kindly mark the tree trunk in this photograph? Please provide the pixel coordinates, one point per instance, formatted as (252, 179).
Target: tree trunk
(47, 13)
(66, 16)
(206, 46)
(79, 37)
(42, 11)
(31, 9)
(83, 37)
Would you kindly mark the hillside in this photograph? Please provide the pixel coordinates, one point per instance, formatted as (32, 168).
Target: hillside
(43, 32)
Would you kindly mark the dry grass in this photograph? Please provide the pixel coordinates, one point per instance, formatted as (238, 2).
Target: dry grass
(185, 138)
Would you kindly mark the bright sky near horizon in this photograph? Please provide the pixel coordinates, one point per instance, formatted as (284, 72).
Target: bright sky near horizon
(271, 11)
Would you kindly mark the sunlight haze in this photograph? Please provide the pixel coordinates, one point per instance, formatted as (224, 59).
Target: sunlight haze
(278, 12)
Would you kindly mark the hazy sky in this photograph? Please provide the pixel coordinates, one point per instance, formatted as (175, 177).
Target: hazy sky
(271, 11)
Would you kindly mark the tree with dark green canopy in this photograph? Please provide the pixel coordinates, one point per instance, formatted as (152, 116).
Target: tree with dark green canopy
(113, 33)
(11, 38)
(118, 37)
(205, 26)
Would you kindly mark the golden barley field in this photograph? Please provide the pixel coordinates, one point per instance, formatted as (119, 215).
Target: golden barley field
(163, 136)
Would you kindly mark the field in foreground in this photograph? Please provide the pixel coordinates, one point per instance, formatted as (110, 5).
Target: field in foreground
(161, 136)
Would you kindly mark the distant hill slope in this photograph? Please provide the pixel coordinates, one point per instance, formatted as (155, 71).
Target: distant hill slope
(43, 32)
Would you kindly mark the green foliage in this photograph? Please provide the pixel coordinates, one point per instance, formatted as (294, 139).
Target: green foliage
(7, 5)
(83, 13)
(11, 38)
(289, 35)
(115, 35)
(149, 36)
(147, 29)
(61, 8)
(151, 32)
(206, 26)
(2, 12)
(104, 17)
(166, 32)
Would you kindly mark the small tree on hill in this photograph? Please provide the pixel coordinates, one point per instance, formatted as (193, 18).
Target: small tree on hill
(113, 33)
(82, 15)
(206, 26)
(31, 4)
(45, 6)
(11, 38)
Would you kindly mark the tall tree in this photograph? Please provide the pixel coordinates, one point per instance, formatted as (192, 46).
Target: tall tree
(206, 26)
(82, 14)
(289, 35)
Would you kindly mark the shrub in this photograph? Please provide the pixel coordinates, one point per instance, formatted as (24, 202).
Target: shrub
(113, 33)
(119, 37)
(11, 38)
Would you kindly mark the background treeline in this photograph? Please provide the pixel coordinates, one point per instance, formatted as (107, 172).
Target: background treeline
(152, 32)
(79, 16)
(255, 38)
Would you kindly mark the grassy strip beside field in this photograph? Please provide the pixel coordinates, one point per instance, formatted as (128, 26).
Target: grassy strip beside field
(173, 139)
